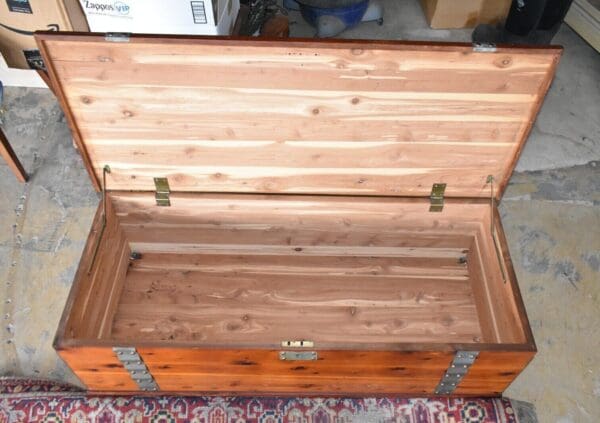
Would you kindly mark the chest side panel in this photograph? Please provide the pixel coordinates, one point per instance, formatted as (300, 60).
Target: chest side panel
(262, 371)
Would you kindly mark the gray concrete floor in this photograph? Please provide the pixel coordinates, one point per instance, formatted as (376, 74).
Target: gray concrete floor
(551, 213)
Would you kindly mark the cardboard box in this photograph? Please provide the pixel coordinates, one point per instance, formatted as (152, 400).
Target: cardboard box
(446, 14)
(19, 19)
(199, 17)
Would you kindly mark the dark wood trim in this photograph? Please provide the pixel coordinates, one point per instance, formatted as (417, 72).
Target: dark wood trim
(283, 394)
(68, 343)
(290, 42)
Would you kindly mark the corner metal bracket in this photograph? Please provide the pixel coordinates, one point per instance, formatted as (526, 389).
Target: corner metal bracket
(437, 197)
(133, 363)
(459, 367)
(162, 192)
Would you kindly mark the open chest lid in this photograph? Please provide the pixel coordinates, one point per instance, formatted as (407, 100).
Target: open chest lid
(297, 116)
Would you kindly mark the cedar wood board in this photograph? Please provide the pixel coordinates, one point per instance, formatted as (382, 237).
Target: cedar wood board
(297, 116)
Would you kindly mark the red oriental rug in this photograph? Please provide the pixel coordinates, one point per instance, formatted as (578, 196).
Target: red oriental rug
(23, 400)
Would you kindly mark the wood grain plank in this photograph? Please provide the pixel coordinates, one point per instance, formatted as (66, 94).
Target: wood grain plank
(294, 236)
(404, 215)
(383, 75)
(259, 248)
(475, 132)
(300, 154)
(242, 326)
(303, 265)
(268, 308)
(184, 287)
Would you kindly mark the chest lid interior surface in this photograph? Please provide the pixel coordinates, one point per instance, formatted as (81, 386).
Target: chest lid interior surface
(297, 116)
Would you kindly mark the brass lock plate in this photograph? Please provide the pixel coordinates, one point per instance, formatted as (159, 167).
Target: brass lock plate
(298, 355)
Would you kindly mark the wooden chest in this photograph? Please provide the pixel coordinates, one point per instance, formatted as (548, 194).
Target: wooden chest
(296, 217)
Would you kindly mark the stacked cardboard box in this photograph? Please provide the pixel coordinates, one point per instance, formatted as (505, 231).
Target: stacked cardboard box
(464, 13)
(196, 17)
(19, 19)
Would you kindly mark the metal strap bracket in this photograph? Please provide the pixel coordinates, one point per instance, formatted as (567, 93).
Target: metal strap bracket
(459, 367)
(437, 197)
(134, 364)
(163, 192)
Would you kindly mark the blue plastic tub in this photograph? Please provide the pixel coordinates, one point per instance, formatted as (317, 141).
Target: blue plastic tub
(350, 15)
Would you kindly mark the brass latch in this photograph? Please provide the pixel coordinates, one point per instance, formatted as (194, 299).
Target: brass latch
(162, 192)
(436, 199)
(297, 344)
(298, 355)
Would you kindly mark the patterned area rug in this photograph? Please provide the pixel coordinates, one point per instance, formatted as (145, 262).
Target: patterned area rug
(23, 400)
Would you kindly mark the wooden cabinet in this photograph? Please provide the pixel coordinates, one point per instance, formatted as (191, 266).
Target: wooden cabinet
(296, 217)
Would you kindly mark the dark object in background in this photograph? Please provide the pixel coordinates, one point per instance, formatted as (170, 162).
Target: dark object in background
(277, 26)
(331, 17)
(526, 16)
(260, 12)
(528, 22)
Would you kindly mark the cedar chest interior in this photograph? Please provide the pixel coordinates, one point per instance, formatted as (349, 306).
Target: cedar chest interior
(247, 270)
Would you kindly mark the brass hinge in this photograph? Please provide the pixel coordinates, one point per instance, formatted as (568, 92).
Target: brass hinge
(297, 344)
(135, 366)
(162, 192)
(459, 367)
(484, 47)
(437, 197)
(117, 37)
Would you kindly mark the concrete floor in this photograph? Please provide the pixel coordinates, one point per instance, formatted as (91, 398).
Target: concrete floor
(551, 213)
